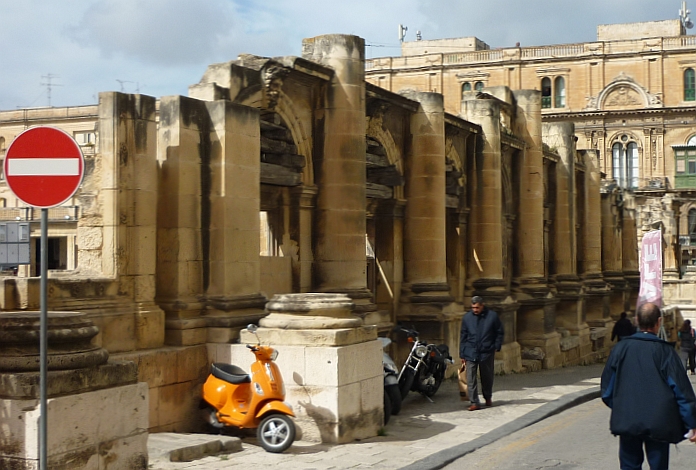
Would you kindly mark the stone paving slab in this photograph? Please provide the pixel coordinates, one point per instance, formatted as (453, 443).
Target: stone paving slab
(424, 435)
(180, 447)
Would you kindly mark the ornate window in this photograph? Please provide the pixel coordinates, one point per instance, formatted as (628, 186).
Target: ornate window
(625, 162)
(466, 86)
(692, 227)
(560, 93)
(685, 164)
(478, 86)
(689, 85)
(546, 92)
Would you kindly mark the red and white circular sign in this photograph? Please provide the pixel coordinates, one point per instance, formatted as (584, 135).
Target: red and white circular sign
(44, 166)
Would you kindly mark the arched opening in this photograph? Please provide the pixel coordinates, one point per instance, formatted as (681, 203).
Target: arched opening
(466, 86)
(478, 86)
(546, 92)
(625, 163)
(560, 93)
(689, 85)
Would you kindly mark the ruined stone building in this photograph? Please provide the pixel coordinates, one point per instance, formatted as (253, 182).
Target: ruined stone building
(631, 95)
(296, 175)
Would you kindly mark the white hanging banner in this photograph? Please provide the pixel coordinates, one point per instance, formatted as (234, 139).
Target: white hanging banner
(651, 269)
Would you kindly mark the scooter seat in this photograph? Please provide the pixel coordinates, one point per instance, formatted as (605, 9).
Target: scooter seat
(229, 373)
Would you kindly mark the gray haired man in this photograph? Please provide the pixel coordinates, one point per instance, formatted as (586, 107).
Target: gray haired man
(481, 336)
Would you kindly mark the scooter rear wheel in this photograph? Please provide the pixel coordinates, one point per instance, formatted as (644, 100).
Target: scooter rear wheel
(276, 432)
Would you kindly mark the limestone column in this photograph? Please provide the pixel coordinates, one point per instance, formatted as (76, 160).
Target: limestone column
(303, 202)
(596, 291)
(629, 257)
(612, 265)
(230, 229)
(486, 223)
(535, 317)
(339, 160)
(425, 295)
(564, 278)
(180, 282)
(530, 222)
(127, 236)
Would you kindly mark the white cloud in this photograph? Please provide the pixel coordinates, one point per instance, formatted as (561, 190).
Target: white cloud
(160, 47)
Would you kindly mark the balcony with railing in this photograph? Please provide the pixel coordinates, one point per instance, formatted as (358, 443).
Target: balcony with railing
(559, 51)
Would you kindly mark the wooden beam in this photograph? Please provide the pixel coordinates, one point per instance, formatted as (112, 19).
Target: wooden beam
(279, 175)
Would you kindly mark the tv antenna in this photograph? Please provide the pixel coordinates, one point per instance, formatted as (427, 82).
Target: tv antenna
(684, 16)
(402, 32)
(49, 85)
(121, 82)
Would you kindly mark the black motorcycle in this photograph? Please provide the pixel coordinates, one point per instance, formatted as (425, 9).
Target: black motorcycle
(424, 369)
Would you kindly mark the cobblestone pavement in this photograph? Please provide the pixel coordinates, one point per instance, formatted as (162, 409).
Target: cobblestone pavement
(425, 435)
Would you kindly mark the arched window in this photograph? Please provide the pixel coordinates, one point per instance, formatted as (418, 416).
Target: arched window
(478, 86)
(625, 163)
(689, 85)
(466, 86)
(546, 92)
(560, 93)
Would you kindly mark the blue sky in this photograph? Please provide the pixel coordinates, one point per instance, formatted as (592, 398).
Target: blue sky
(160, 47)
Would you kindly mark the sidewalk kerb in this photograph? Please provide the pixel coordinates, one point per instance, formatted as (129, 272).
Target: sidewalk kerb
(447, 456)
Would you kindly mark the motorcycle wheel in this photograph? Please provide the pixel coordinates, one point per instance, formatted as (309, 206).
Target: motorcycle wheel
(394, 394)
(406, 383)
(387, 407)
(276, 432)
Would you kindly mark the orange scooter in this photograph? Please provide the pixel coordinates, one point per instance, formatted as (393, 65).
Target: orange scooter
(231, 397)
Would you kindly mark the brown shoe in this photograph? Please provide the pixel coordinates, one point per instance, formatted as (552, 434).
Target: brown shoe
(474, 407)
(489, 402)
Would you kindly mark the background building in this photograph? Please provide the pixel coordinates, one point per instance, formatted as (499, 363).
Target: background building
(631, 95)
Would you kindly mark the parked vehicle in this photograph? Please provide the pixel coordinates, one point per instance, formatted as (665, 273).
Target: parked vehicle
(424, 368)
(392, 394)
(231, 397)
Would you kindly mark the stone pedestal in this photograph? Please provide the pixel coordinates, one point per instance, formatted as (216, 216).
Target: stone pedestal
(97, 412)
(331, 364)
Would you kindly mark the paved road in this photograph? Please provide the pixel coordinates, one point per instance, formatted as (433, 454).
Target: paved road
(578, 438)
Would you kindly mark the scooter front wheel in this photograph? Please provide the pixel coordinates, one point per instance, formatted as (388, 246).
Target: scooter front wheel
(276, 432)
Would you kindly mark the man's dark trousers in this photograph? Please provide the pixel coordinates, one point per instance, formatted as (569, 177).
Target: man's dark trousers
(631, 453)
(487, 372)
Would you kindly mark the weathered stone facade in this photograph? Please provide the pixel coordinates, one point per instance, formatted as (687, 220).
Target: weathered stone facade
(305, 158)
(632, 99)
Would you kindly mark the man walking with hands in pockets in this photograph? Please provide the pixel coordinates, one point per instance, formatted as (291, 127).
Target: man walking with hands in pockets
(481, 336)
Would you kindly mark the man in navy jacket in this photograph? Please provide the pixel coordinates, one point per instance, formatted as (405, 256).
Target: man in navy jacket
(481, 336)
(651, 399)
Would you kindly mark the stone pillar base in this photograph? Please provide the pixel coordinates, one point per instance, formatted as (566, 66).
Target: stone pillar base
(550, 343)
(99, 429)
(510, 356)
(333, 378)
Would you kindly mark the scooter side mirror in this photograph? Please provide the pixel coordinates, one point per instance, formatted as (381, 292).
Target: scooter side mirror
(252, 328)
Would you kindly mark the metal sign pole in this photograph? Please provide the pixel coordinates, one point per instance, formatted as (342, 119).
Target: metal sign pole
(43, 445)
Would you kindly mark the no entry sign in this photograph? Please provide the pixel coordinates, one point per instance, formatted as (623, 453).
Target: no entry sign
(44, 166)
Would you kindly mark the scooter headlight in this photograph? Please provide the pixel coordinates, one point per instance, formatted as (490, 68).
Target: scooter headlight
(274, 355)
(421, 350)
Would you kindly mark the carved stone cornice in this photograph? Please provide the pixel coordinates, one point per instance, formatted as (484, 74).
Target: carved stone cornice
(273, 75)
